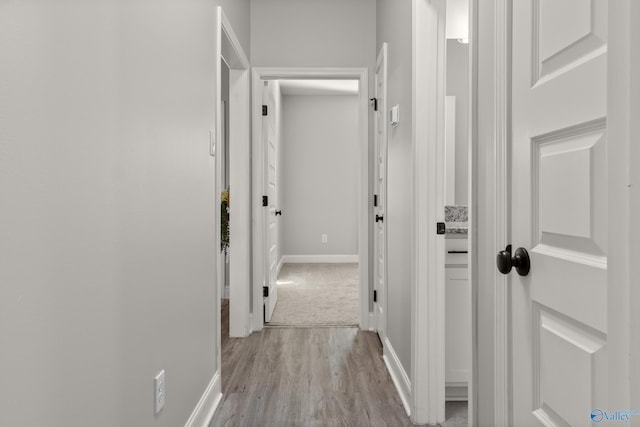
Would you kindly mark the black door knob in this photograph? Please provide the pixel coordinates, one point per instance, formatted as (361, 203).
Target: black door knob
(520, 260)
(278, 212)
(379, 218)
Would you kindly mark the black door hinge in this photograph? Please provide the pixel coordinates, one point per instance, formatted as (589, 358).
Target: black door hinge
(375, 200)
(375, 296)
(375, 103)
(441, 228)
(265, 200)
(265, 291)
(265, 110)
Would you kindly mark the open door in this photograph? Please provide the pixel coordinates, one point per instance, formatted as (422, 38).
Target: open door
(380, 196)
(271, 226)
(559, 212)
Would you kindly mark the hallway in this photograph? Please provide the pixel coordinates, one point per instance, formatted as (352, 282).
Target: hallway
(111, 145)
(310, 377)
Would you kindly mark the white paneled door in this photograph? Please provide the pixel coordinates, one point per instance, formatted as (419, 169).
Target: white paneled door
(271, 262)
(559, 208)
(380, 197)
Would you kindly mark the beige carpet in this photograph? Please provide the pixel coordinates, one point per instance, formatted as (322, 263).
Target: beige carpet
(317, 295)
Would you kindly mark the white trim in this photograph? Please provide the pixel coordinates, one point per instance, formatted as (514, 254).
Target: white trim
(398, 375)
(457, 392)
(240, 208)
(380, 321)
(229, 50)
(373, 326)
(472, 391)
(300, 259)
(360, 74)
(206, 408)
(502, 223)
(623, 244)
(488, 201)
(427, 283)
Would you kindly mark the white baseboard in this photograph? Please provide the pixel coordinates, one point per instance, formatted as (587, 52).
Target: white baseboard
(398, 375)
(280, 264)
(456, 392)
(373, 325)
(298, 259)
(206, 407)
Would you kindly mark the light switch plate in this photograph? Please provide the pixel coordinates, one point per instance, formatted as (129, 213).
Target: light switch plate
(394, 116)
(159, 386)
(212, 142)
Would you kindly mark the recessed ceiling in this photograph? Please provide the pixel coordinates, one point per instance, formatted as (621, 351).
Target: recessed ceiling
(319, 87)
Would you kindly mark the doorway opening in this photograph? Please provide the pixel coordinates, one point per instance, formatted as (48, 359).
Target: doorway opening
(229, 144)
(311, 189)
(443, 351)
(310, 133)
(457, 141)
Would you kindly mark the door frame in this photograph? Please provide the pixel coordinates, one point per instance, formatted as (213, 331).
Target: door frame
(381, 62)
(367, 320)
(490, 199)
(427, 278)
(623, 156)
(229, 50)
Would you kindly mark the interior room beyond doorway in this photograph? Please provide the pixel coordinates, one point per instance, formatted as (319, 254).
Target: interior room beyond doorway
(316, 199)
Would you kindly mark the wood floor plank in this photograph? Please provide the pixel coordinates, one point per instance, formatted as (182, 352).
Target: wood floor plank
(306, 377)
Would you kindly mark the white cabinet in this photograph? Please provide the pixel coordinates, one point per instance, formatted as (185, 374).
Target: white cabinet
(457, 320)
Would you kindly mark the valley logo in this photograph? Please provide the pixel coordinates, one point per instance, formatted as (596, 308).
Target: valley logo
(600, 415)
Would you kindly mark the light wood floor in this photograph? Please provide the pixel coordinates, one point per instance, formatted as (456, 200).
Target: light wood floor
(306, 377)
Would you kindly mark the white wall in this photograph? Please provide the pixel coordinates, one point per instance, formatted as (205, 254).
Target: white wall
(394, 27)
(458, 86)
(107, 218)
(319, 175)
(313, 33)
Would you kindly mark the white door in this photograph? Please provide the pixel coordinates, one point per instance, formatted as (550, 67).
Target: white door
(271, 261)
(559, 209)
(380, 198)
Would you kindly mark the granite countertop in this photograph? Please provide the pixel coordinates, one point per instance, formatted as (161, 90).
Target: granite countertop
(456, 219)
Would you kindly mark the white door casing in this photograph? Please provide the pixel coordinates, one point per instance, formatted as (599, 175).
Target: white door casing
(260, 74)
(427, 281)
(380, 189)
(559, 208)
(271, 226)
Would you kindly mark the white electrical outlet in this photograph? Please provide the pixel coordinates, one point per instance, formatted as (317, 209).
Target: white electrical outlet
(324, 238)
(159, 385)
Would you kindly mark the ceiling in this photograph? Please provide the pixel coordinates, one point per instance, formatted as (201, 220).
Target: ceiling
(318, 87)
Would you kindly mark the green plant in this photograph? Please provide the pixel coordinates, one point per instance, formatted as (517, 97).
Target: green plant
(224, 221)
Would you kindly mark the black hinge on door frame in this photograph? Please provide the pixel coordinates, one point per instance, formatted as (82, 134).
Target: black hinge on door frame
(375, 200)
(265, 110)
(375, 103)
(265, 200)
(265, 291)
(375, 296)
